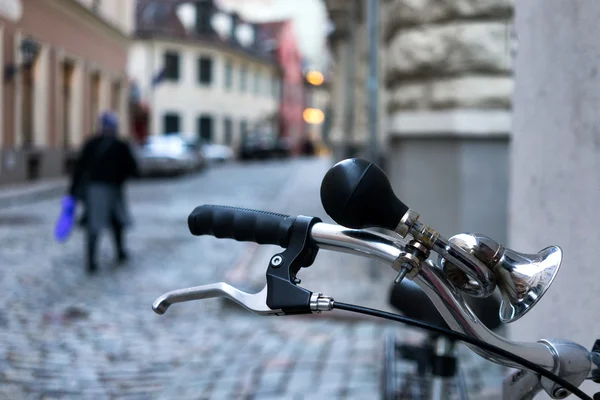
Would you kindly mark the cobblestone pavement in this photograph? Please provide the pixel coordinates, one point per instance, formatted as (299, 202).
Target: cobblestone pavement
(69, 336)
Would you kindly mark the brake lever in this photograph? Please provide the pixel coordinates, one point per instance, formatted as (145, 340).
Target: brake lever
(281, 295)
(256, 303)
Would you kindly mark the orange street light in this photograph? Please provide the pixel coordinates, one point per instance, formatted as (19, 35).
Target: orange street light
(315, 78)
(313, 116)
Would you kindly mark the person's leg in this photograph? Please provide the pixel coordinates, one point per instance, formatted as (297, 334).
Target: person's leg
(92, 245)
(118, 233)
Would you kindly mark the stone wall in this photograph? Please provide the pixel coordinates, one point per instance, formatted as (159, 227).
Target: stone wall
(555, 183)
(447, 55)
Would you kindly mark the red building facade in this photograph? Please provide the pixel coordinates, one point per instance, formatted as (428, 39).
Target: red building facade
(292, 86)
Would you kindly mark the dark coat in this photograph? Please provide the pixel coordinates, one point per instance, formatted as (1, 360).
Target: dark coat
(103, 166)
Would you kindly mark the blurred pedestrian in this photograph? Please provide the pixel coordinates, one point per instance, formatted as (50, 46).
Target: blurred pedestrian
(103, 166)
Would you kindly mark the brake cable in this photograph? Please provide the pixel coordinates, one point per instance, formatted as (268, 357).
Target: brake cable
(468, 339)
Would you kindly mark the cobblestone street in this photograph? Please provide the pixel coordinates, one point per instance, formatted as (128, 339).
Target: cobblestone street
(66, 335)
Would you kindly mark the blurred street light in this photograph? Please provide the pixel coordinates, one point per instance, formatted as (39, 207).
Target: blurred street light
(315, 78)
(313, 116)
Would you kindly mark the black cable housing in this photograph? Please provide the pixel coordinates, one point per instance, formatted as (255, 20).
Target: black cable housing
(468, 339)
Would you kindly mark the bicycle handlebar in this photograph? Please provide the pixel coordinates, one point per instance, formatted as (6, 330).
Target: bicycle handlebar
(448, 301)
(241, 224)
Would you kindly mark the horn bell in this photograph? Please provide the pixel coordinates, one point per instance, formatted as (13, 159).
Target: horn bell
(521, 278)
(524, 278)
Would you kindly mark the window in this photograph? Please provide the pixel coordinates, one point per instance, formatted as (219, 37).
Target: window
(244, 79)
(205, 128)
(203, 16)
(171, 66)
(228, 131)
(205, 65)
(257, 82)
(228, 74)
(171, 123)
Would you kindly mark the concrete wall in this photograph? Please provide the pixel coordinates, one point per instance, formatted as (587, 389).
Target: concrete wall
(190, 99)
(456, 184)
(555, 185)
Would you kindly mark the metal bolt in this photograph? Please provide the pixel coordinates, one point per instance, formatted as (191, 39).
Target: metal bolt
(297, 281)
(401, 275)
(561, 393)
(276, 261)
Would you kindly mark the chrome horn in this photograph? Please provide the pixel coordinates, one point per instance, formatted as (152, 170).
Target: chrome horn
(521, 278)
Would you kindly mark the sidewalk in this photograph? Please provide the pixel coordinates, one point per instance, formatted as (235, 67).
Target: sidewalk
(14, 194)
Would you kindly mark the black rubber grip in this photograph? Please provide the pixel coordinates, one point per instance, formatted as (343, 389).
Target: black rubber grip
(241, 224)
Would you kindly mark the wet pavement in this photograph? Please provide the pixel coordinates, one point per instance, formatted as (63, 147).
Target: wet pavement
(66, 335)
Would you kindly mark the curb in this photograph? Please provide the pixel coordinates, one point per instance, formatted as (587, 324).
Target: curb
(36, 193)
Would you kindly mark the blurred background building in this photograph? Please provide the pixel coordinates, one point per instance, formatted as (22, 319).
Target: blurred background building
(446, 106)
(63, 62)
(302, 28)
(204, 72)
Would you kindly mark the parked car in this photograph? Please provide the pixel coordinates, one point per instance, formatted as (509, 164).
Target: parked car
(217, 152)
(261, 145)
(168, 155)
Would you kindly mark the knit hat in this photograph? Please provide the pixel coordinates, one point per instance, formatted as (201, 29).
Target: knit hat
(109, 122)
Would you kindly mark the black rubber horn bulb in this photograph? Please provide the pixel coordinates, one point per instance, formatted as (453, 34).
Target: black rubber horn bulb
(357, 194)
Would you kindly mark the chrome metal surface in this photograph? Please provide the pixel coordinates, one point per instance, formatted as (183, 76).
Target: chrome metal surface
(319, 303)
(447, 299)
(521, 385)
(355, 241)
(524, 278)
(420, 247)
(407, 265)
(482, 277)
(276, 261)
(424, 234)
(450, 303)
(314, 298)
(401, 275)
(521, 278)
(256, 303)
(573, 363)
(407, 221)
(485, 249)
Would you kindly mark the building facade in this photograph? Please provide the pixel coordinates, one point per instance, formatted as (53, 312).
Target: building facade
(203, 72)
(63, 63)
(445, 104)
(292, 94)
